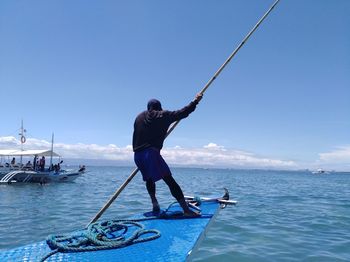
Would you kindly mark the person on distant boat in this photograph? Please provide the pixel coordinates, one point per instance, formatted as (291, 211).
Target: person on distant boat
(42, 164)
(150, 129)
(13, 161)
(57, 167)
(81, 168)
(29, 164)
(35, 164)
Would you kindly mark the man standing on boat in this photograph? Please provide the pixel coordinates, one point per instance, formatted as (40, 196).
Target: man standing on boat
(42, 164)
(150, 129)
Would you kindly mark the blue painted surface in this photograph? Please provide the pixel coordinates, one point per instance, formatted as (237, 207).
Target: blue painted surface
(178, 237)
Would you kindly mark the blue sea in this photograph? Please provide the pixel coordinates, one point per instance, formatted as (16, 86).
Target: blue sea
(281, 216)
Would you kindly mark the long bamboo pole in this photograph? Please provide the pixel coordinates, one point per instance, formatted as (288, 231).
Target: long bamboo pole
(127, 181)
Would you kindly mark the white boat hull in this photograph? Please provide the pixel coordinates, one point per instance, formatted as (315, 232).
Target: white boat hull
(25, 176)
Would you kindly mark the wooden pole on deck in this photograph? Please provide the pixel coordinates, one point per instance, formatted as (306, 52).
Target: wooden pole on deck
(127, 181)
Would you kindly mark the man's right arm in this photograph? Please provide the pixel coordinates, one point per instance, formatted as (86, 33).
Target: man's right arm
(184, 112)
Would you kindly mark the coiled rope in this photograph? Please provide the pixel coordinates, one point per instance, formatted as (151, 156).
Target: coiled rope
(100, 236)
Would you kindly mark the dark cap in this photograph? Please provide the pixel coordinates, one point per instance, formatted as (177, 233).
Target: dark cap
(154, 104)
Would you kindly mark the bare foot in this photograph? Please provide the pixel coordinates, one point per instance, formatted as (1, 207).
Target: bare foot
(191, 213)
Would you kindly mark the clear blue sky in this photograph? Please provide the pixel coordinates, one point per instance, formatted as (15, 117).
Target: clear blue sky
(84, 69)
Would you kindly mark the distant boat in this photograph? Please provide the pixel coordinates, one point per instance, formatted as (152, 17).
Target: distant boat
(319, 171)
(32, 173)
(36, 171)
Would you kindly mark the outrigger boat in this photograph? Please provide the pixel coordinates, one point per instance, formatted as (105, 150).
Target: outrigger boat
(163, 236)
(33, 174)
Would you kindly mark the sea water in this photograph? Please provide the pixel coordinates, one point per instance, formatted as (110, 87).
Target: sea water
(281, 216)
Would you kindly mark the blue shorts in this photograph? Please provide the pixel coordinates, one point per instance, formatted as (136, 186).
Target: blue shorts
(151, 164)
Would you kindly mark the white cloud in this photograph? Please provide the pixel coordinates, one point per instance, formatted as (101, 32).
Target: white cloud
(79, 150)
(210, 155)
(214, 146)
(337, 159)
(9, 141)
(93, 151)
(340, 154)
(215, 155)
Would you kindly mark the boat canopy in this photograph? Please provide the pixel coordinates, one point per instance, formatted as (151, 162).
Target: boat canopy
(6, 152)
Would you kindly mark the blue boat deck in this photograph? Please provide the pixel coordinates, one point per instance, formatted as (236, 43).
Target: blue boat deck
(179, 237)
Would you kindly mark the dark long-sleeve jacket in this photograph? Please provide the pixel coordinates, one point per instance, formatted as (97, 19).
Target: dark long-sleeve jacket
(150, 127)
